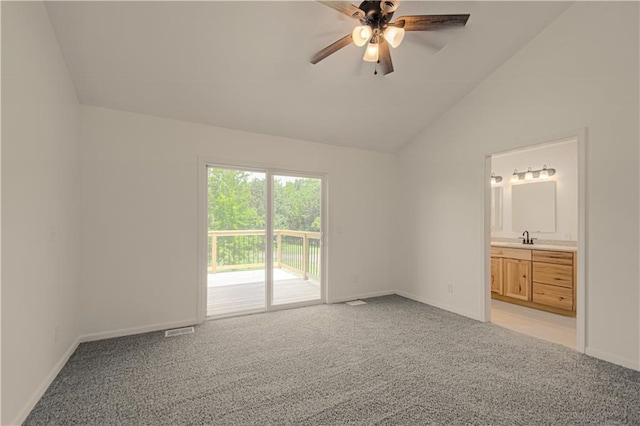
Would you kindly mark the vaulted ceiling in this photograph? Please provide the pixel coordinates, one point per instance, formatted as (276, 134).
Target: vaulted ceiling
(245, 65)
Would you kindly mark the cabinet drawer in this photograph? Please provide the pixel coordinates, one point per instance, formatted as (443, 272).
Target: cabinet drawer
(551, 295)
(512, 253)
(548, 273)
(557, 257)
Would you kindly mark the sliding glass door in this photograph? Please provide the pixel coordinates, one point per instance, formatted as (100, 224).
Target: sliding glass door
(297, 234)
(264, 244)
(236, 279)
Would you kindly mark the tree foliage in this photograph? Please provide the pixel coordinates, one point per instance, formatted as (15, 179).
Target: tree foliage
(297, 204)
(237, 200)
(230, 201)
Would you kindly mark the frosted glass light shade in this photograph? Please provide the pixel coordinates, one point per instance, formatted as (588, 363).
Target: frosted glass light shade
(371, 54)
(394, 36)
(514, 176)
(528, 175)
(361, 35)
(544, 173)
(389, 6)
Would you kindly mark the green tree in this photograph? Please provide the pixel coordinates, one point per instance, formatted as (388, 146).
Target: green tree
(297, 204)
(231, 204)
(233, 198)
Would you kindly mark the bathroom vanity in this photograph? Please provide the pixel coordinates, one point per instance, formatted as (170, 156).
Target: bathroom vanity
(538, 276)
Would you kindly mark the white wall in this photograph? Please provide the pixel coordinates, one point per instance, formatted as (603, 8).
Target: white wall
(569, 77)
(561, 156)
(140, 214)
(0, 231)
(40, 208)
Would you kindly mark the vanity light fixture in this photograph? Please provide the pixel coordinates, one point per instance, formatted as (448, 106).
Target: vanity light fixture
(530, 175)
(495, 179)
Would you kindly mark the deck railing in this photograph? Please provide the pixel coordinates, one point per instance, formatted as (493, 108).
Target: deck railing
(296, 251)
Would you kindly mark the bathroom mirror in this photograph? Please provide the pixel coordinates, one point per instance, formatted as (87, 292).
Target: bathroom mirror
(533, 207)
(496, 208)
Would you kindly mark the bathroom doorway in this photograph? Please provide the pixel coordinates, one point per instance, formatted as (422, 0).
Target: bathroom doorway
(536, 221)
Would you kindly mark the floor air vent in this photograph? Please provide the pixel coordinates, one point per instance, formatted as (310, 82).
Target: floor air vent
(179, 331)
(356, 303)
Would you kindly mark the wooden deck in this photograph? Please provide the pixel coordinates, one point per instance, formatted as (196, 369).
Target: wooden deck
(235, 292)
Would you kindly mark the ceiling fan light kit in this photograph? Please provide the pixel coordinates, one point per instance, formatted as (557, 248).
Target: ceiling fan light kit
(388, 6)
(394, 36)
(377, 29)
(371, 53)
(361, 35)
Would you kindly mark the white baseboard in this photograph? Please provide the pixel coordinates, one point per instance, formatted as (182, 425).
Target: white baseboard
(362, 296)
(24, 413)
(136, 330)
(605, 356)
(439, 305)
(453, 309)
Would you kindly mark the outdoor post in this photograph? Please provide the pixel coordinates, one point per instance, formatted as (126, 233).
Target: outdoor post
(305, 254)
(279, 249)
(214, 252)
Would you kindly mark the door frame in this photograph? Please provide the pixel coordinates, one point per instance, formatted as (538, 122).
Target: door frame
(202, 228)
(582, 283)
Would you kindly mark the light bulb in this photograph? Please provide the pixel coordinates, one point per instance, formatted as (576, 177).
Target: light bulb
(514, 176)
(528, 175)
(544, 173)
(394, 36)
(361, 35)
(371, 54)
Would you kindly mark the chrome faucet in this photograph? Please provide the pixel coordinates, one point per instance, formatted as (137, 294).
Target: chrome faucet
(526, 240)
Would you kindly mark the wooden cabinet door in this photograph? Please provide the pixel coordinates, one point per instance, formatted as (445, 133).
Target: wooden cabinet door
(517, 278)
(496, 275)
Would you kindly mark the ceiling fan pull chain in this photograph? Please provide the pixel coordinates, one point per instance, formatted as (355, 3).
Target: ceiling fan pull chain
(375, 69)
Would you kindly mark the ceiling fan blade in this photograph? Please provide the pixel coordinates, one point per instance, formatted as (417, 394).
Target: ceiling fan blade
(345, 7)
(332, 48)
(429, 22)
(384, 58)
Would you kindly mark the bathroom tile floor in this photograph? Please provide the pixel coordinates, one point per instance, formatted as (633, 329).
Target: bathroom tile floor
(543, 325)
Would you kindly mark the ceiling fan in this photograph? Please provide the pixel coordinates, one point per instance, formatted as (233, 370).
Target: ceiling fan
(376, 29)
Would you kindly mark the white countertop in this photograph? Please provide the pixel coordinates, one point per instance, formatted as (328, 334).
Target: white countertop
(534, 246)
